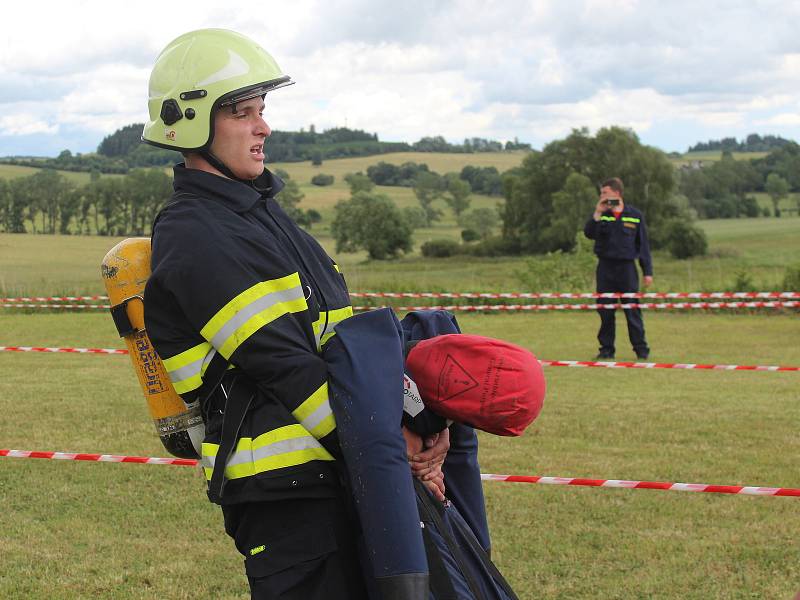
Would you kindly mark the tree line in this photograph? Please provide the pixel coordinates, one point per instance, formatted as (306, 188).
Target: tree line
(123, 150)
(751, 143)
(722, 189)
(551, 195)
(48, 202)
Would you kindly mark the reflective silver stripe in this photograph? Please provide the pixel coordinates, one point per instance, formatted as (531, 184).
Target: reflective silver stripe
(242, 457)
(315, 418)
(255, 307)
(197, 367)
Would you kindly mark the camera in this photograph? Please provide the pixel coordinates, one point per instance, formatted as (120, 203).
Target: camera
(613, 201)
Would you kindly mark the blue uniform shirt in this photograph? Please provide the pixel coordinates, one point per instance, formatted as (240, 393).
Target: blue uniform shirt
(623, 238)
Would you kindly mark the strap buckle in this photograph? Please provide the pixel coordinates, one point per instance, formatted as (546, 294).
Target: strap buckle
(119, 313)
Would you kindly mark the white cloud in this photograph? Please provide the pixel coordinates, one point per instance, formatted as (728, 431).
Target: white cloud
(790, 119)
(25, 124)
(532, 69)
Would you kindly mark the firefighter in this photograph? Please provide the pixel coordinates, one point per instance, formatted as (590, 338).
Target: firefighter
(239, 306)
(620, 238)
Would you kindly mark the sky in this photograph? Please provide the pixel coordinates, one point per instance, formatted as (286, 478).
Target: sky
(676, 72)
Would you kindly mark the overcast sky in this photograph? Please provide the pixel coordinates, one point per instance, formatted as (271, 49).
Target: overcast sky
(677, 72)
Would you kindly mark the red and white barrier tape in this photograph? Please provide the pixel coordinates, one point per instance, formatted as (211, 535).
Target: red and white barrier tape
(535, 307)
(146, 460)
(546, 363)
(647, 485)
(54, 299)
(512, 307)
(489, 295)
(101, 306)
(69, 350)
(575, 295)
(607, 483)
(650, 365)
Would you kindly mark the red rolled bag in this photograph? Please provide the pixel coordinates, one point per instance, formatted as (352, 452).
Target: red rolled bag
(491, 384)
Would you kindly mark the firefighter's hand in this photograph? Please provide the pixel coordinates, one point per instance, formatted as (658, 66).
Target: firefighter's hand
(426, 464)
(436, 447)
(648, 280)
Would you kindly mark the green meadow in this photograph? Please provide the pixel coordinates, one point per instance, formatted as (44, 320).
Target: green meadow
(81, 530)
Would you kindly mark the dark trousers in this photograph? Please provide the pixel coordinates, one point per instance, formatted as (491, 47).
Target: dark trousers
(298, 549)
(619, 276)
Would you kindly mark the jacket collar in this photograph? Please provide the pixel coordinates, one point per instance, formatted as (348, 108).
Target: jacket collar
(236, 195)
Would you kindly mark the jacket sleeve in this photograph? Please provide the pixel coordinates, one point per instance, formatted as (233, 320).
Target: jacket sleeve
(590, 229)
(643, 245)
(257, 313)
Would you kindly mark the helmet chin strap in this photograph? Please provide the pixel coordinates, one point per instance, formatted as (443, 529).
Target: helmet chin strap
(225, 170)
(218, 165)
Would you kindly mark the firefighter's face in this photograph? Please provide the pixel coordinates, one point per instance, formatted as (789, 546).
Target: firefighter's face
(239, 138)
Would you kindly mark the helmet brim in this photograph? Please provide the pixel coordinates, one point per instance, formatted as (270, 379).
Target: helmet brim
(252, 91)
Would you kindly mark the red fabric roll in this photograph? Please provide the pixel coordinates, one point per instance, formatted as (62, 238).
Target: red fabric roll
(487, 383)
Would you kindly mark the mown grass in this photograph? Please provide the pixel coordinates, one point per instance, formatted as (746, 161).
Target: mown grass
(14, 171)
(713, 156)
(759, 249)
(87, 530)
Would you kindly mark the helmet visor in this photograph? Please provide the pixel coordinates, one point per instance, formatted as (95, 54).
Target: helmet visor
(260, 89)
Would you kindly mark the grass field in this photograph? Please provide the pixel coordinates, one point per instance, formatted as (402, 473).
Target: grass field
(75, 530)
(713, 156)
(89, 530)
(12, 171)
(758, 248)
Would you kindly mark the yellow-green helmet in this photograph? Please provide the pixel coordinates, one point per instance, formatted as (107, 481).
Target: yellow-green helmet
(194, 75)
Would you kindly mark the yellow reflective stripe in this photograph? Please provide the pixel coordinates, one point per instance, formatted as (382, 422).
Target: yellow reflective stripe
(335, 266)
(253, 309)
(287, 446)
(334, 317)
(631, 219)
(315, 414)
(186, 369)
(604, 218)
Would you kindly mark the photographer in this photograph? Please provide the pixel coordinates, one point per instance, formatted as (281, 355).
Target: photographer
(620, 238)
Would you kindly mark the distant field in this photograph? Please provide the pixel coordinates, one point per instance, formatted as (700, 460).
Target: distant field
(13, 171)
(761, 248)
(132, 532)
(714, 155)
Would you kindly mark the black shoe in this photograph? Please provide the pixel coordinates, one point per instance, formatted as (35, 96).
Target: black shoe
(643, 355)
(604, 354)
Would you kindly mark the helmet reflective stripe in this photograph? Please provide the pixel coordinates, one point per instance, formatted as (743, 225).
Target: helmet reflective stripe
(194, 75)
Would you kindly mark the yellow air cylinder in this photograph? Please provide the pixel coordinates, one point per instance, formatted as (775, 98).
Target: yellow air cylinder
(125, 270)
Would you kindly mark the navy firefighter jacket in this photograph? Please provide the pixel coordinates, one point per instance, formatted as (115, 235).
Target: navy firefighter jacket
(623, 238)
(235, 280)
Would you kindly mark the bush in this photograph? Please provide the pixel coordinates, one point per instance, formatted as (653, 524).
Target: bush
(415, 217)
(495, 246)
(742, 282)
(791, 280)
(370, 222)
(440, 248)
(685, 240)
(469, 235)
(558, 271)
(321, 179)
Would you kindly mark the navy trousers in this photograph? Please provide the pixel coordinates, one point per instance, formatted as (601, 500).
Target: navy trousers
(619, 276)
